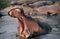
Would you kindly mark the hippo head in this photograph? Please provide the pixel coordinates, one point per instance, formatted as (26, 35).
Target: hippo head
(16, 12)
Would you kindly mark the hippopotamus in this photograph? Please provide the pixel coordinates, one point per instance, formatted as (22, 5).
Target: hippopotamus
(20, 2)
(49, 10)
(27, 26)
(32, 3)
(35, 8)
(40, 3)
(52, 9)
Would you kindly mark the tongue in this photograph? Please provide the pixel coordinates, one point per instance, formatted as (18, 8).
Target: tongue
(24, 32)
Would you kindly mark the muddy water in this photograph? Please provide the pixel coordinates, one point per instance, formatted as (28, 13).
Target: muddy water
(8, 28)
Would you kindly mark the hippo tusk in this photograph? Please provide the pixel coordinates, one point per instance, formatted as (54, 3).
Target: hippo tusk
(10, 13)
(18, 10)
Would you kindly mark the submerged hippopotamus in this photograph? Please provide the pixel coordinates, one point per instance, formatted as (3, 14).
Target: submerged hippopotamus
(44, 10)
(40, 3)
(48, 10)
(27, 26)
(35, 8)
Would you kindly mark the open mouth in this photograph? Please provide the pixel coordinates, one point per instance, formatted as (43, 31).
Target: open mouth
(11, 12)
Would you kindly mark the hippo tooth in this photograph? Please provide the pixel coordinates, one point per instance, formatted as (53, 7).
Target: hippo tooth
(17, 9)
(10, 13)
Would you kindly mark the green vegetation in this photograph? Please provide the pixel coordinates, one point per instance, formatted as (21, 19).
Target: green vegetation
(3, 4)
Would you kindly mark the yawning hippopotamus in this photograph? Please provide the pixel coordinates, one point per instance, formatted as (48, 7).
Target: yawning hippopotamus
(27, 26)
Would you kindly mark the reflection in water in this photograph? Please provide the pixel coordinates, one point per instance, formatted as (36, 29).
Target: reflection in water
(8, 28)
